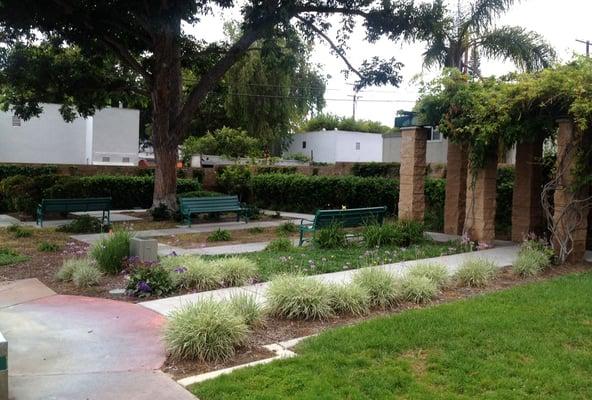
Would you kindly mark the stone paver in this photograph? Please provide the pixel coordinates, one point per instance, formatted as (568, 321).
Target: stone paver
(73, 347)
(502, 256)
(7, 220)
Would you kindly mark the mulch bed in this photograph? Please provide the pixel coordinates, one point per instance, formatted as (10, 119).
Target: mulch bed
(276, 330)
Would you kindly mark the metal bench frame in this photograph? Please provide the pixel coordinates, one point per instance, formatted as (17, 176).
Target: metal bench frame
(103, 204)
(217, 204)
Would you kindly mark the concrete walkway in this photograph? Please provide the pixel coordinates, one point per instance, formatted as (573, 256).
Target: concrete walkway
(502, 256)
(73, 347)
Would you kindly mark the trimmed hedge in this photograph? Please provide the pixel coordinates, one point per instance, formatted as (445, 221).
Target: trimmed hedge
(8, 170)
(23, 193)
(376, 169)
(296, 192)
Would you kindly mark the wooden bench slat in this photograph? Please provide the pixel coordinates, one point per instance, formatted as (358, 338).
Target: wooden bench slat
(74, 205)
(197, 205)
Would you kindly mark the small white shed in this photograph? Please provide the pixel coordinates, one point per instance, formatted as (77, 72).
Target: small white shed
(338, 146)
(110, 137)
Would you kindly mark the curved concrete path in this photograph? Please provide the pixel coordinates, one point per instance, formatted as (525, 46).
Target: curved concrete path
(72, 347)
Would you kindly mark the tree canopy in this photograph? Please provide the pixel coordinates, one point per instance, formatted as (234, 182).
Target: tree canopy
(331, 122)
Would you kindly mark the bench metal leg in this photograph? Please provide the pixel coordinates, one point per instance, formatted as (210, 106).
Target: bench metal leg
(301, 238)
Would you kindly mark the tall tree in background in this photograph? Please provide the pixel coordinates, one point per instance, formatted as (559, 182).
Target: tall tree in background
(459, 38)
(147, 41)
(271, 90)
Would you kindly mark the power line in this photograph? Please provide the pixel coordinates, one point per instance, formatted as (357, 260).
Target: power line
(588, 44)
(359, 99)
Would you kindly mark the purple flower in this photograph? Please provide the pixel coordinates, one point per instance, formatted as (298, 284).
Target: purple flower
(144, 287)
(180, 270)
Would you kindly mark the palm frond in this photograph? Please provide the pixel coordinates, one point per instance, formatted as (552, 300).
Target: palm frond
(482, 14)
(527, 49)
(435, 55)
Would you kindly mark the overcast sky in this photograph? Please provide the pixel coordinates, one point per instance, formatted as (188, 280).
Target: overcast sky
(560, 22)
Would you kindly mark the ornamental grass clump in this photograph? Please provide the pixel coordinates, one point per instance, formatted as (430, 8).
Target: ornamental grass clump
(330, 237)
(111, 252)
(65, 272)
(531, 262)
(381, 286)
(193, 272)
(297, 297)
(349, 299)
(476, 272)
(280, 245)
(418, 289)
(246, 307)
(86, 275)
(437, 273)
(205, 331)
(236, 271)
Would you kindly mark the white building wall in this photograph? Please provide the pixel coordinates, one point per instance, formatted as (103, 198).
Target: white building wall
(436, 150)
(112, 132)
(116, 136)
(46, 139)
(338, 146)
(320, 146)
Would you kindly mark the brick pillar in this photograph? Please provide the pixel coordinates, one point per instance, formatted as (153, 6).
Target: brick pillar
(566, 139)
(412, 173)
(527, 212)
(480, 202)
(456, 189)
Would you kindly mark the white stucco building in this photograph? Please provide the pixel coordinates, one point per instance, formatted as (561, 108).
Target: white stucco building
(338, 146)
(109, 137)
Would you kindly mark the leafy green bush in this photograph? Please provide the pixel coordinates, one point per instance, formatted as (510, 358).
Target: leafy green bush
(418, 289)
(161, 213)
(219, 235)
(48, 247)
(331, 122)
(205, 331)
(193, 272)
(235, 271)
(503, 208)
(223, 142)
(435, 196)
(19, 231)
(375, 169)
(148, 279)
(400, 233)
(349, 299)
(476, 272)
(297, 297)
(330, 237)
(279, 170)
(531, 262)
(246, 307)
(286, 228)
(83, 224)
(8, 170)
(235, 179)
(23, 193)
(86, 275)
(9, 256)
(280, 245)
(437, 273)
(381, 286)
(111, 251)
(296, 192)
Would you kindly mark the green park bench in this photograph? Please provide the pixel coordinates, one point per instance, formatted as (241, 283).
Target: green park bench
(346, 218)
(218, 204)
(65, 206)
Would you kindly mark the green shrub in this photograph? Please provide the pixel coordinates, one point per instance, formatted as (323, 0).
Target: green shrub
(83, 224)
(280, 245)
(400, 233)
(147, 279)
(86, 275)
(418, 289)
(476, 272)
(161, 213)
(437, 273)
(330, 237)
(280, 170)
(19, 231)
(8, 170)
(68, 267)
(111, 251)
(531, 262)
(9, 256)
(349, 299)
(220, 235)
(246, 307)
(48, 247)
(504, 194)
(375, 169)
(193, 272)
(23, 193)
(235, 179)
(236, 271)
(286, 228)
(297, 297)
(205, 331)
(435, 195)
(381, 286)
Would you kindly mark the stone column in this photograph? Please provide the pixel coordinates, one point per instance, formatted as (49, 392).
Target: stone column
(456, 189)
(564, 194)
(412, 173)
(527, 212)
(481, 200)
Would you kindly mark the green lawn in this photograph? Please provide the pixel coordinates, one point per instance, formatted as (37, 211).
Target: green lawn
(529, 342)
(310, 261)
(8, 257)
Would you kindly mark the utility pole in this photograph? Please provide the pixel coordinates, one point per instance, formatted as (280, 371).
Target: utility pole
(355, 97)
(587, 43)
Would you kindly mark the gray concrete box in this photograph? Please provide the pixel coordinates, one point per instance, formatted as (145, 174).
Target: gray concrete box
(145, 249)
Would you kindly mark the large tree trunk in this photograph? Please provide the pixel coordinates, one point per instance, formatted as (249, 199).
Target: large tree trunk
(166, 101)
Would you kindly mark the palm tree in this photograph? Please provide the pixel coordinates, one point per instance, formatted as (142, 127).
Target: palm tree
(459, 39)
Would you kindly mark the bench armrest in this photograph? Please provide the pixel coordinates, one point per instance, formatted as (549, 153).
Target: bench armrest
(307, 220)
